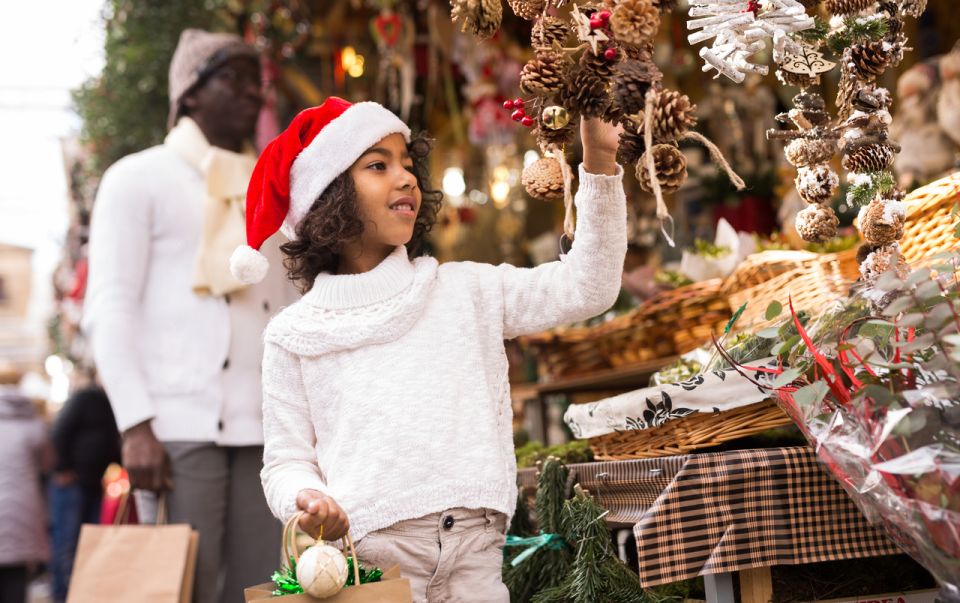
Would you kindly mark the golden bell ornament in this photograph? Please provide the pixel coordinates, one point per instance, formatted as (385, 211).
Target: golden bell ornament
(555, 117)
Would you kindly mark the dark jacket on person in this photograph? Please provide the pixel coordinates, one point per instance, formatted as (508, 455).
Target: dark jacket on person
(86, 438)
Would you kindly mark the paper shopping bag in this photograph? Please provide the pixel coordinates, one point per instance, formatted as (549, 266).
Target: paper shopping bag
(142, 563)
(392, 588)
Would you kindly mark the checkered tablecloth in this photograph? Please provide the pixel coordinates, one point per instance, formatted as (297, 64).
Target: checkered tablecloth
(722, 512)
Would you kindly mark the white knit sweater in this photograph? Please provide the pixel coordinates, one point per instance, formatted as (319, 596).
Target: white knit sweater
(388, 390)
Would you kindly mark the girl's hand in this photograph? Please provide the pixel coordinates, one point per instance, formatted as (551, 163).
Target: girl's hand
(322, 512)
(600, 141)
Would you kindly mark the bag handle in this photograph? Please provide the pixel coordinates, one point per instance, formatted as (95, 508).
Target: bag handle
(290, 544)
(123, 511)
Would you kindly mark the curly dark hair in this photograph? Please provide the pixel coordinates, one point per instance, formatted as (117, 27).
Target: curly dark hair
(321, 233)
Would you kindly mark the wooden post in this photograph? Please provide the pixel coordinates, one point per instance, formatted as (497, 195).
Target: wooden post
(756, 585)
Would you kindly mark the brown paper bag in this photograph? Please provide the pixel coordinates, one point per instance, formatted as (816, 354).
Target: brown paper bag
(143, 563)
(392, 588)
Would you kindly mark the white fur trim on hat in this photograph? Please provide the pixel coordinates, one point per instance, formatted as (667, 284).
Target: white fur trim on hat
(334, 149)
(248, 265)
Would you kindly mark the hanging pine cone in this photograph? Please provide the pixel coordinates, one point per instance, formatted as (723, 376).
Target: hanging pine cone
(884, 259)
(847, 7)
(630, 148)
(542, 75)
(817, 184)
(635, 21)
(817, 223)
(543, 179)
(804, 153)
(586, 93)
(869, 158)
(870, 59)
(548, 31)
(914, 8)
(599, 64)
(527, 9)
(480, 17)
(849, 85)
(630, 85)
(671, 167)
(642, 53)
(673, 115)
(881, 222)
(549, 137)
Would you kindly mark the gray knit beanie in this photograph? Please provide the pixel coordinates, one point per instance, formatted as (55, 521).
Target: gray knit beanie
(196, 53)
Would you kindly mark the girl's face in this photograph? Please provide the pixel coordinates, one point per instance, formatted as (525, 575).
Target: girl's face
(388, 197)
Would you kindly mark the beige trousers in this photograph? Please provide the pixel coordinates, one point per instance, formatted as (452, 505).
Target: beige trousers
(449, 557)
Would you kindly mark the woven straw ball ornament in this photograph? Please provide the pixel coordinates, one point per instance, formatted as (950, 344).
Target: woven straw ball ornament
(817, 184)
(817, 223)
(882, 222)
(805, 152)
(543, 179)
(322, 571)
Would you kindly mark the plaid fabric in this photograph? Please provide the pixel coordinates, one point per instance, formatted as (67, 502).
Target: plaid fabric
(723, 512)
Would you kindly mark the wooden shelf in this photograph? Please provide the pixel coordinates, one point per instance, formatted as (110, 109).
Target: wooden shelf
(633, 375)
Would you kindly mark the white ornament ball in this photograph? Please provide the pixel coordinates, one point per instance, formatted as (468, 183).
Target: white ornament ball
(322, 571)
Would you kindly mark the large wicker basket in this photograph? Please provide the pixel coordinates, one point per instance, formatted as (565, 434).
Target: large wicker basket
(811, 286)
(681, 436)
(931, 227)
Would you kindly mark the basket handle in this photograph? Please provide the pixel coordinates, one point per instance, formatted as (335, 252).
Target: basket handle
(290, 544)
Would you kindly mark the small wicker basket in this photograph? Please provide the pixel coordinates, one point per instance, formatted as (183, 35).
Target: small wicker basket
(931, 225)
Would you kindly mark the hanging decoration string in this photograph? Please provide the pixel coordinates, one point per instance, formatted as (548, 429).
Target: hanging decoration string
(663, 214)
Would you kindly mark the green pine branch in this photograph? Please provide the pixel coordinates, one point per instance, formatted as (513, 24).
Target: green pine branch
(881, 183)
(856, 31)
(818, 33)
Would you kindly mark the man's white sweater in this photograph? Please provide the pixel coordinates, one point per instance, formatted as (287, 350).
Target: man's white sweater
(388, 390)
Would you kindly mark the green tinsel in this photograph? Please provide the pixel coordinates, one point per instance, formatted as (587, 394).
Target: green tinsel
(547, 565)
(880, 183)
(856, 30)
(287, 584)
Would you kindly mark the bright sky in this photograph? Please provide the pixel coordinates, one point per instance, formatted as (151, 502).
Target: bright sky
(47, 49)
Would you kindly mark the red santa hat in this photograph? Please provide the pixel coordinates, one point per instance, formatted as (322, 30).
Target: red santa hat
(297, 166)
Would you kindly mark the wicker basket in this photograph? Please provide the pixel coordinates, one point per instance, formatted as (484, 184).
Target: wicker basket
(930, 227)
(761, 267)
(810, 287)
(681, 436)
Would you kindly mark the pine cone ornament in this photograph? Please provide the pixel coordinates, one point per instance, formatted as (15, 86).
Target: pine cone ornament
(586, 93)
(817, 184)
(884, 259)
(817, 223)
(635, 21)
(847, 90)
(805, 153)
(599, 64)
(870, 59)
(847, 7)
(864, 251)
(630, 85)
(913, 8)
(543, 179)
(548, 31)
(480, 17)
(673, 115)
(527, 9)
(542, 75)
(869, 158)
(671, 167)
(881, 222)
(630, 148)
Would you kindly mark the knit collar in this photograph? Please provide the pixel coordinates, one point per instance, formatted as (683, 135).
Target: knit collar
(343, 291)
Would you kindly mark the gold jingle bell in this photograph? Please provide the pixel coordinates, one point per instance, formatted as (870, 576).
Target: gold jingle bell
(555, 117)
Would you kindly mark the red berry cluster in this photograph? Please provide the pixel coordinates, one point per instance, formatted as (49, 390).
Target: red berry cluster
(516, 105)
(601, 20)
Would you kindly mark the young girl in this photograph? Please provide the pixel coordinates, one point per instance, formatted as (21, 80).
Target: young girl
(386, 405)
